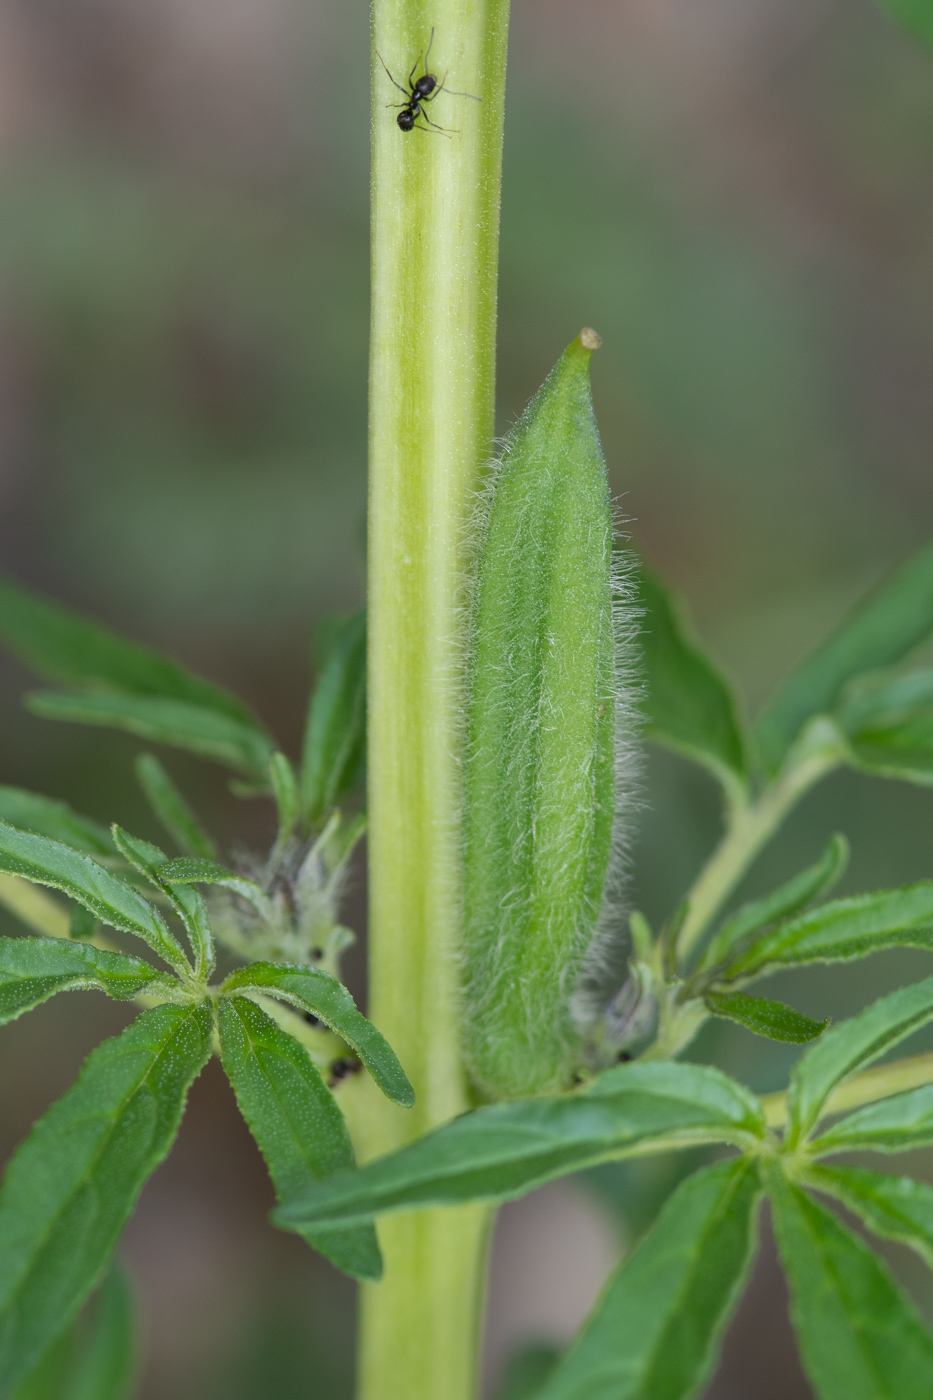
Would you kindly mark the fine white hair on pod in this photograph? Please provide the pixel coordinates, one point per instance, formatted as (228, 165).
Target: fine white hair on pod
(605, 965)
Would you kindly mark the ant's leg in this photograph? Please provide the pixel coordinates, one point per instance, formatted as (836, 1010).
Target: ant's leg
(447, 130)
(414, 69)
(398, 85)
(450, 92)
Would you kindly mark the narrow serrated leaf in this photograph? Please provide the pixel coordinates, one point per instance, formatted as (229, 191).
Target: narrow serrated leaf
(768, 1018)
(187, 902)
(48, 817)
(295, 1120)
(656, 1330)
(34, 969)
(312, 989)
(848, 1047)
(171, 808)
(188, 870)
(63, 646)
(860, 1337)
(335, 734)
(210, 734)
(688, 705)
(505, 1150)
(898, 1124)
(843, 929)
(285, 792)
(893, 1207)
(71, 1186)
(882, 700)
(884, 628)
(109, 899)
(789, 899)
(903, 750)
(888, 724)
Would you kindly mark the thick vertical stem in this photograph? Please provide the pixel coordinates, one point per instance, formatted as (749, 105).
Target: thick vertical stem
(435, 233)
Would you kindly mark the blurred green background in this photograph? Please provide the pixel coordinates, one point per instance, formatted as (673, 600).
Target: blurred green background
(739, 197)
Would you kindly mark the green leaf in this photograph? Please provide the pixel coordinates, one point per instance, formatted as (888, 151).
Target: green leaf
(232, 742)
(96, 1359)
(110, 900)
(81, 923)
(188, 903)
(62, 646)
(795, 895)
(48, 817)
(915, 15)
(312, 989)
(655, 1333)
(859, 1336)
(881, 700)
(71, 1186)
(171, 808)
(688, 707)
(503, 1151)
(285, 791)
(546, 707)
(188, 870)
(34, 969)
(335, 734)
(891, 1206)
(844, 929)
(527, 1372)
(768, 1018)
(848, 1047)
(888, 724)
(295, 1120)
(898, 1124)
(902, 751)
(886, 626)
(105, 1368)
(47, 1381)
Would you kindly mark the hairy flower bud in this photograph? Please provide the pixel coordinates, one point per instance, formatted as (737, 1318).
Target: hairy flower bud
(548, 752)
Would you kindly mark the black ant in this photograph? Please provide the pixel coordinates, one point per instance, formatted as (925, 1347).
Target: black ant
(420, 92)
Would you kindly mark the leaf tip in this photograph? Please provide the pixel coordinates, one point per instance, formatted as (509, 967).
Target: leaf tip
(590, 339)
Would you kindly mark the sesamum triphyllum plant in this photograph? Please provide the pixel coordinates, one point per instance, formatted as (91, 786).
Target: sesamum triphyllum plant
(551, 759)
(569, 647)
(572, 1017)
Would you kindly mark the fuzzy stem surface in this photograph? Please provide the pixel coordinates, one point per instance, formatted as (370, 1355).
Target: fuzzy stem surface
(435, 208)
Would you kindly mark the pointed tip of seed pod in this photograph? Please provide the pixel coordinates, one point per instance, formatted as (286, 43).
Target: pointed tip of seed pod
(589, 339)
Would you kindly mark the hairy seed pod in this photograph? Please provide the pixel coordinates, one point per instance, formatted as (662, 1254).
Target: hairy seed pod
(548, 765)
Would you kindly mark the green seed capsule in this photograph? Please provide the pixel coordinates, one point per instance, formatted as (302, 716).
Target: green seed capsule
(548, 755)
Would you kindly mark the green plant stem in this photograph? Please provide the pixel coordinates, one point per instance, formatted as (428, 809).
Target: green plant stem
(434, 254)
(867, 1087)
(751, 828)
